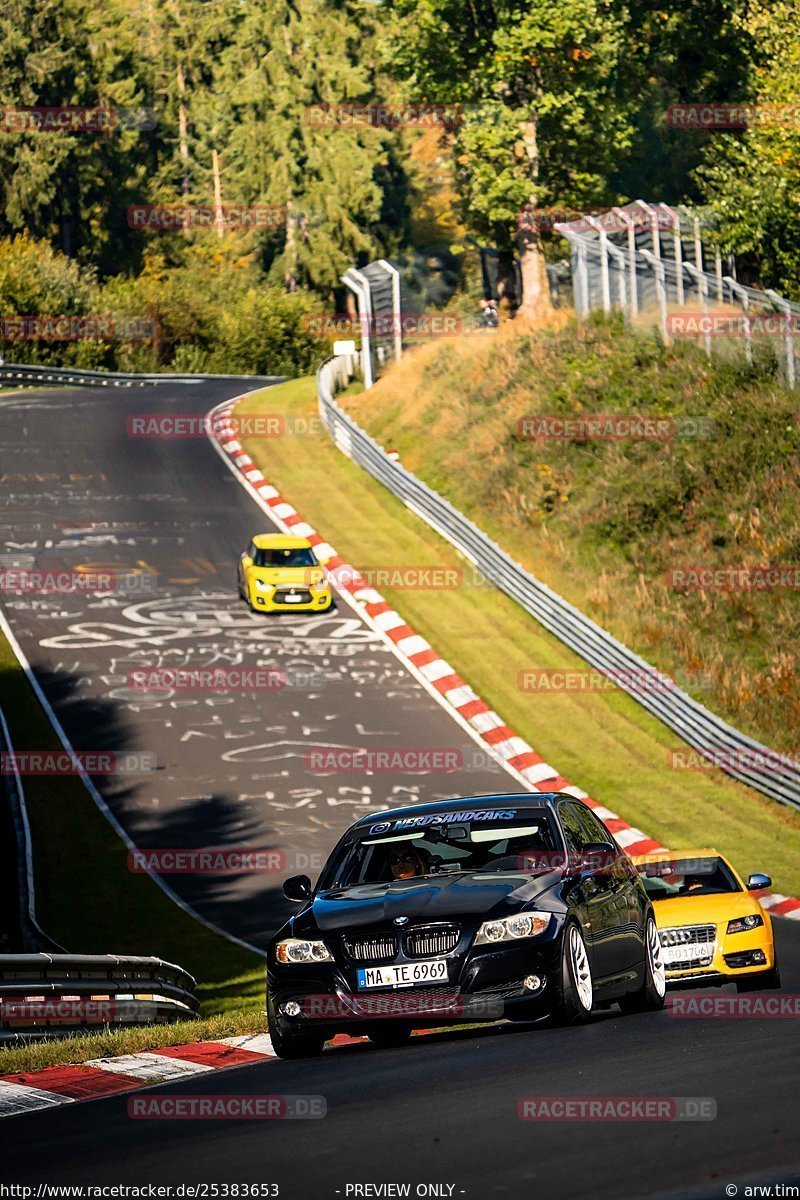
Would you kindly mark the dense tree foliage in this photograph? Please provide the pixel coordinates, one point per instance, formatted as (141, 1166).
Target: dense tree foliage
(752, 179)
(223, 103)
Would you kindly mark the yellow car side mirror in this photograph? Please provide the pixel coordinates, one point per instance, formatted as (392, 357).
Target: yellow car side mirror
(247, 560)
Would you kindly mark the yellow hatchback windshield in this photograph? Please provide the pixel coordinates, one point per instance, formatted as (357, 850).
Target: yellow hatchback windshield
(294, 556)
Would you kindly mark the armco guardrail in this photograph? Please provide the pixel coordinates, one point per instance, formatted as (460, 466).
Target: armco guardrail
(32, 935)
(33, 376)
(738, 755)
(53, 994)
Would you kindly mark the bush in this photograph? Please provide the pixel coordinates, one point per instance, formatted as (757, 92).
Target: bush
(202, 316)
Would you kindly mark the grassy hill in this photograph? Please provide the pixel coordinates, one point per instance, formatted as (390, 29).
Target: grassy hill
(608, 522)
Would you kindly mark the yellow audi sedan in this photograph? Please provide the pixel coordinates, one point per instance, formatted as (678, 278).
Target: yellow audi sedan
(713, 929)
(278, 572)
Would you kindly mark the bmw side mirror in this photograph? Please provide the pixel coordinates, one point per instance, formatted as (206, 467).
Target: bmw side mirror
(297, 889)
(757, 881)
(598, 856)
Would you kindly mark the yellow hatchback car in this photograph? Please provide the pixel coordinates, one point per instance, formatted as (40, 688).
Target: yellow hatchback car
(279, 572)
(713, 929)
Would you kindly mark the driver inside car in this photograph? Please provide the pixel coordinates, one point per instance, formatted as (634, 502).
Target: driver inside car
(406, 862)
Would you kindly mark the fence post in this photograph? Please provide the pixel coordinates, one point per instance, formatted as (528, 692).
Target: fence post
(580, 279)
(620, 259)
(661, 289)
(630, 225)
(741, 295)
(398, 332)
(654, 233)
(605, 288)
(677, 248)
(698, 243)
(718, 273)
(785, 307)
(702, 287)
(359, 285)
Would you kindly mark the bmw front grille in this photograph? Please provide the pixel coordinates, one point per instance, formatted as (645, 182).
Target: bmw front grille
(375, 948)
(426, 940)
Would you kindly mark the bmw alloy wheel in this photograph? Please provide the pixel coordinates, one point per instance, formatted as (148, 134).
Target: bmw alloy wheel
(581, 971)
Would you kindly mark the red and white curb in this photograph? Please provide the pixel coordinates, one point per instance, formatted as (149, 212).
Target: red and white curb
(520, 759)
(107, 1076)
(98, 1077)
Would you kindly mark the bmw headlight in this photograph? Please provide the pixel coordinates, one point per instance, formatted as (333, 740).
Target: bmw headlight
(298, 950)
(742, 924)
(508, 929)
(263, 586)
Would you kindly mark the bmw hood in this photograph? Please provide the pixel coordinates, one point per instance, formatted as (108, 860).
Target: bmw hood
(432, 898)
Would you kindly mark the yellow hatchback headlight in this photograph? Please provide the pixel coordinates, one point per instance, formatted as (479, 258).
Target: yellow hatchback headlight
(743, 924)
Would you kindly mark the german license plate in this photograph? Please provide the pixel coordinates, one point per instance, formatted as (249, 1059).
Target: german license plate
(682, 954)
(405, 975)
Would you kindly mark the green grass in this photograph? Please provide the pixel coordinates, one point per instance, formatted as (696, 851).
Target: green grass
(86, 898)
(34, 1056)
(605, 743)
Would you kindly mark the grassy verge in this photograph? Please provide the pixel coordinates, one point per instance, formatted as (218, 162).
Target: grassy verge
(608, 522)
(604, 742)
(34, 1056)
(89, 902)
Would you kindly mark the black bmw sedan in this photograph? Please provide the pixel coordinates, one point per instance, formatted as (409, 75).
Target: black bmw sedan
(511, 906)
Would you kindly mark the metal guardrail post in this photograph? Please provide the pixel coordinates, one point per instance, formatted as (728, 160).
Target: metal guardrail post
(785, 307)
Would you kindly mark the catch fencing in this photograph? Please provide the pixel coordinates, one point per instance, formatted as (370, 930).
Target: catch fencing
(644, 257)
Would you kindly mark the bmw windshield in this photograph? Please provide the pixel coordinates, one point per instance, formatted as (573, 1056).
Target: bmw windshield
(523, 842)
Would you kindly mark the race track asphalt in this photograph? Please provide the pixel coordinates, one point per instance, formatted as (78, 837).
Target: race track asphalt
(167, 518)
(444, 1110)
